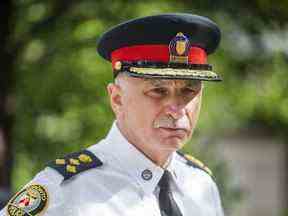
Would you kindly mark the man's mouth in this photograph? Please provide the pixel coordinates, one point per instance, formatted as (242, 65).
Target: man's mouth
(175, 132)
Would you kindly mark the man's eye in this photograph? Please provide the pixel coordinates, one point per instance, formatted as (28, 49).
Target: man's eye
(188, 91)
(161, 91)
(157, 92)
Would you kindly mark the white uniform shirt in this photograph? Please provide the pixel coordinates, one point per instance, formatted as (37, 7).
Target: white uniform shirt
(119, 188)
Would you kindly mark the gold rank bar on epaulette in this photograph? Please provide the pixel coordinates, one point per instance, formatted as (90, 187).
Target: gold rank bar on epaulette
(72, 164)
(198, 163)
(192, 161)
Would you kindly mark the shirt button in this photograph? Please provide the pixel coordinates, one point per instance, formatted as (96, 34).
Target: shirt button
(146, 174)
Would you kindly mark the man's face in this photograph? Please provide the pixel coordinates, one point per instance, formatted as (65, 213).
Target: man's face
(156, 115)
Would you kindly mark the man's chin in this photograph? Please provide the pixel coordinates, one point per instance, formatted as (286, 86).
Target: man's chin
(173, 143)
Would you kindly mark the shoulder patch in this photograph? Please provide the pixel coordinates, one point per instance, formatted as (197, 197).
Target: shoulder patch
(74, 163)
(31, 200)
(192, 161)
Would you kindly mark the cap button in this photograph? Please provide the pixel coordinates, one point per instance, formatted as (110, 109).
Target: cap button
(117, 65)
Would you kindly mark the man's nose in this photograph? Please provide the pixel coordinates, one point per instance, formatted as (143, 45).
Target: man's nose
(175, 111)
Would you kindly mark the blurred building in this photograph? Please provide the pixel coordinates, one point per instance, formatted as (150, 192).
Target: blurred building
(258, 162)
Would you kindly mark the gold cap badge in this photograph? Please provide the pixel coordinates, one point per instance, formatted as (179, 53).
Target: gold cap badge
(179, 49)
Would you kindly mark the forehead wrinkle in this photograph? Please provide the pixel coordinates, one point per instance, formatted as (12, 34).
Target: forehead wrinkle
(163, 82)
(154, 82)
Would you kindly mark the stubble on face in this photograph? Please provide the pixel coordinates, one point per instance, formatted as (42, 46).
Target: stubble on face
(192, 105)
(141, 107)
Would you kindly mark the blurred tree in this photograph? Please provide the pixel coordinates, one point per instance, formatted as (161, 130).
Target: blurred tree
(6, 115)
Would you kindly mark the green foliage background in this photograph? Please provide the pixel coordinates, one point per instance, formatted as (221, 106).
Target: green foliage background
(60, 94)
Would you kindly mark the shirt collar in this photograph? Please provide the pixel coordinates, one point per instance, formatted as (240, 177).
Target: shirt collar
(134, 162)
(140, 168)
(178, 173)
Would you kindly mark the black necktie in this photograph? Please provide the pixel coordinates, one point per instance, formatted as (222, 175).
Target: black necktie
(168, 206)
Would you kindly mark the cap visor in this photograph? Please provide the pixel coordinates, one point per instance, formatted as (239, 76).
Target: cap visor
(174, 73)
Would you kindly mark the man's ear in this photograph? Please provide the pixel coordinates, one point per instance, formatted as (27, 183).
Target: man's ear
(115, 95)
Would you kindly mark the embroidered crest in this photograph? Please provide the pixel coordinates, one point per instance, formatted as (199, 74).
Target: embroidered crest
(179, 49)
(74, 163)
(29, 201)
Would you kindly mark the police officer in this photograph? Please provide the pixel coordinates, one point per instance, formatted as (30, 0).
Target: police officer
(159, 63)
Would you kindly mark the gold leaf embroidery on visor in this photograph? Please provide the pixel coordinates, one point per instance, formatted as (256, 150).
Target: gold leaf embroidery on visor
(173, 72)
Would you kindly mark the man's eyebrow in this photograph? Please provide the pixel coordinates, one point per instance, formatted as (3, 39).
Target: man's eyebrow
(161, 82)
(155, 82)
(193, 83)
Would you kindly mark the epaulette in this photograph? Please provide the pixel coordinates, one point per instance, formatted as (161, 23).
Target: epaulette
(192, 161)
(75, 163)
